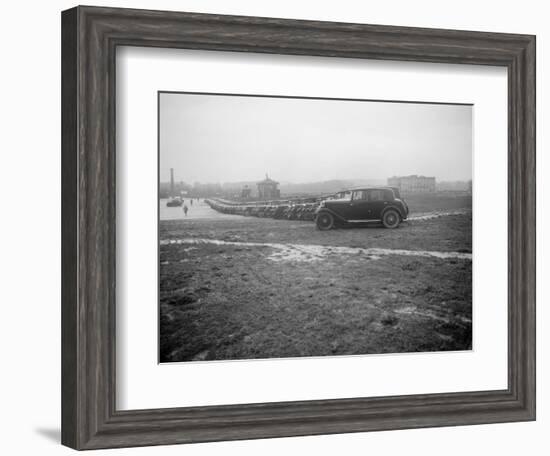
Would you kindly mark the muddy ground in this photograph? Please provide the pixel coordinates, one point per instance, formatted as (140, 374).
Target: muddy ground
(271, 290)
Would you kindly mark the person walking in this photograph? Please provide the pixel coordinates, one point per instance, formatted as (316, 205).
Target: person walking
(185, 209)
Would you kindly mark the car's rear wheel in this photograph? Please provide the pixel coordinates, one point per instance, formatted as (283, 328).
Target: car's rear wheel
(324, 221)
(391, 218)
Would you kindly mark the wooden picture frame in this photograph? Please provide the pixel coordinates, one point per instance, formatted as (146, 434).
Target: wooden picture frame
(90, 36)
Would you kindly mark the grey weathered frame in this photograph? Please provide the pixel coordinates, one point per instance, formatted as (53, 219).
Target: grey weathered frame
(90, 36)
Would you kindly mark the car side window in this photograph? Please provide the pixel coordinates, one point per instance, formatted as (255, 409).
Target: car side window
(376, 195)
(346, 196)
(359, 195)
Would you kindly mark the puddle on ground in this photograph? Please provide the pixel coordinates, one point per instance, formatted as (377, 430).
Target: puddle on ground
(437, 214)
(413, 310)
(310, 253)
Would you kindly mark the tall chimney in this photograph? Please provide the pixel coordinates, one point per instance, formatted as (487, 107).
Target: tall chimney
(171, 181)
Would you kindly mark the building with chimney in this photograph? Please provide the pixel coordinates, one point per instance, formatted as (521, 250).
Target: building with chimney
(172, 182)
(268, 189)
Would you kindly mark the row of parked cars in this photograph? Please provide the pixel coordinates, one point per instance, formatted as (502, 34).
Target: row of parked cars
(349, 207)
(290, 210)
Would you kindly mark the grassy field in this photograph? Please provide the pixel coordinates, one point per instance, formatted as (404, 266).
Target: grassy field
(243, 288)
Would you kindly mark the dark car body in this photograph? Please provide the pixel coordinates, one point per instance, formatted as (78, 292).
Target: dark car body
(174, 202)
(362, 205)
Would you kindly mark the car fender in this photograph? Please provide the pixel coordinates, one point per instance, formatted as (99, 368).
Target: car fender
(331, 212)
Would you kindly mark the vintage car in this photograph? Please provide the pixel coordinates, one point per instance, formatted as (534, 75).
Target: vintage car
(174, 202)
(363, 205)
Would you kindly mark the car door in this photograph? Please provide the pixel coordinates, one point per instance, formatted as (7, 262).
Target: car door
(377, 201)
(359, 206)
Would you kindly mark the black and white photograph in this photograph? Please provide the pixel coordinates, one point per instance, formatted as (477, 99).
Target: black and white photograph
(306, 227)
(275, 228)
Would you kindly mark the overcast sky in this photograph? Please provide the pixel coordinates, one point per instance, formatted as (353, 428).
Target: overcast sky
(215, 138)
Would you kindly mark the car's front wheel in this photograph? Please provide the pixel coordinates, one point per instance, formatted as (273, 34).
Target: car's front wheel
(324, 221)
(391, 218)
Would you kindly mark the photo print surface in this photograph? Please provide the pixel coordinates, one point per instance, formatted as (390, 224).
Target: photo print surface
(305, 227)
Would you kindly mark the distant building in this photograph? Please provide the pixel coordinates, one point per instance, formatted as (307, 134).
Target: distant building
(413, 184)
(246, 192)
(267, 189)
